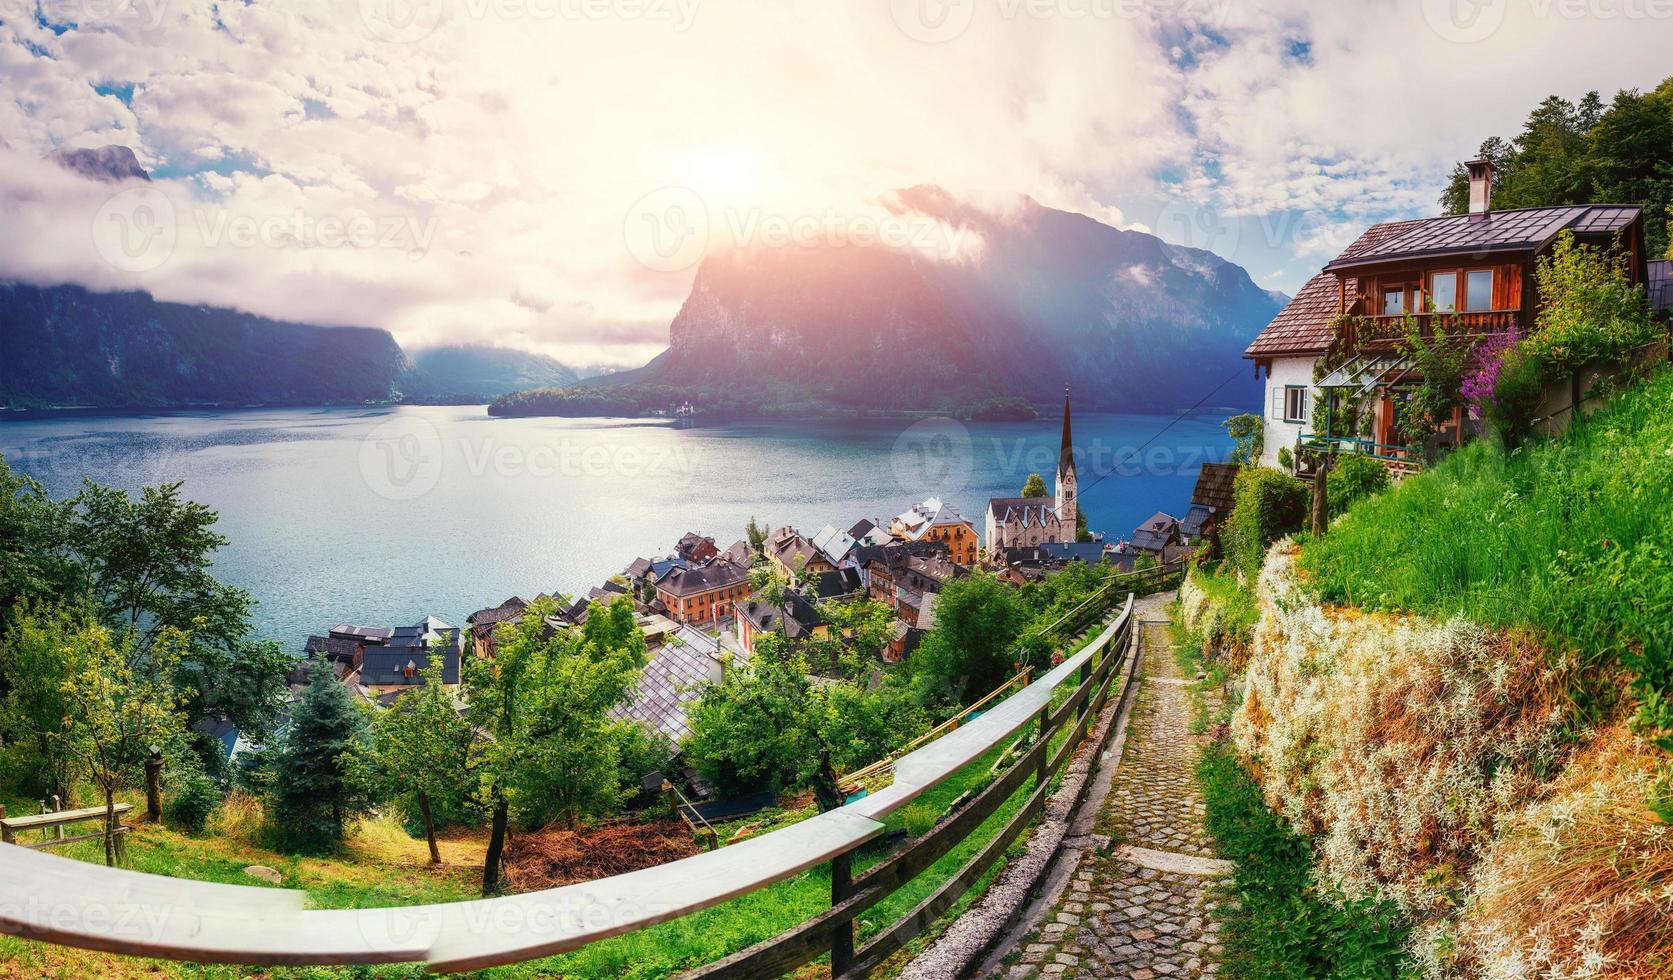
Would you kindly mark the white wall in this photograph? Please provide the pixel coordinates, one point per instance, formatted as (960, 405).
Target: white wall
(1285, 371)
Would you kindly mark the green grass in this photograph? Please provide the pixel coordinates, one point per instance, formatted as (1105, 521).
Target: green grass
(1277, 921)
(357, 878)
(1572, 538)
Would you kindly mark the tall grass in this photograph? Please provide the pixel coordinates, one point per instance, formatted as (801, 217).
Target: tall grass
(1572, 537)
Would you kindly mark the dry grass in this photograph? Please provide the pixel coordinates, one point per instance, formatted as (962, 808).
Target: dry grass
(550, 858)
(1579, 884)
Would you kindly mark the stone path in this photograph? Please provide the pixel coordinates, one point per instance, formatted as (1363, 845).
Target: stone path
(1142, 905)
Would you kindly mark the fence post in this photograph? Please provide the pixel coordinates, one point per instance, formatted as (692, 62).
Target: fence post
(842, 941)
(1045, 754)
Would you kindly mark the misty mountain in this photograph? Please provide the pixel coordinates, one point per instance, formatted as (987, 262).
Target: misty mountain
(470, 373)
(1050, 297)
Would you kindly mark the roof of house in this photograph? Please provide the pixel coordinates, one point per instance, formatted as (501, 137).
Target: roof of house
(716, 574)
(740, 553)
(835, 545)
(1521, 230)
(370, 634)
(1156, 533)
(335, 647)
(1191, 525)
(843, 581)
(789, 547)
(795, 616)
(512, 608)
(920, 518)
(672, 679)
(1214, 486)
(412, 646)
(1303, 326)
(1026, 511)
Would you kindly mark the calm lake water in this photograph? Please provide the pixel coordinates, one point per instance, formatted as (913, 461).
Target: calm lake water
(384, 515)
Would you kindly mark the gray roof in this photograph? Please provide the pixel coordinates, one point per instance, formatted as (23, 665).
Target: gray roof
(412, 646)
(671, 680)
(1522, 230)
(717, 574)
(371, 634)
(1027, 511)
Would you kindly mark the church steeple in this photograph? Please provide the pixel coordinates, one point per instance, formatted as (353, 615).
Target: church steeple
(1066, 504)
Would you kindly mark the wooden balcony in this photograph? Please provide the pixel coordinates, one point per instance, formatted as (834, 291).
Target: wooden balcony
(1362, 333)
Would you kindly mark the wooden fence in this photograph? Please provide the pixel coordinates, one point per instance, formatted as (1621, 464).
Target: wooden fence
(77, 904)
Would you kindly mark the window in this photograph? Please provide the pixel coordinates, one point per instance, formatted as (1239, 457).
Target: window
(1394, 300)
(1478, 290)
(1295, 403)
(1443, 292)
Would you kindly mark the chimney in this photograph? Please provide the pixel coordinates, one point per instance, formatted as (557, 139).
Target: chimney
(1481, 188)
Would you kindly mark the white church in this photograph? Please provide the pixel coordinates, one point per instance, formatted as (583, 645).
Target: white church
(1023, 522)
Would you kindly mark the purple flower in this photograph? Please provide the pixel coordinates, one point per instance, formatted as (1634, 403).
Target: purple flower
(1489, 358)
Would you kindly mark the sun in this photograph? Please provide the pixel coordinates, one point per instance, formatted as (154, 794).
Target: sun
(723, 174)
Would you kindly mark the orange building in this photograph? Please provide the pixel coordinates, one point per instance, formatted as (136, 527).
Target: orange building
(934, 520)
(704, 593)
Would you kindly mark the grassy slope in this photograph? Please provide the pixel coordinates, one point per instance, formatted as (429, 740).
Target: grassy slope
(382, 866)
(1573, 537)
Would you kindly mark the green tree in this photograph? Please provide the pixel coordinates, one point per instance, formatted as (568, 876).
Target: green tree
(33, 703)
(1249, 431)
(36, 562)
(971, 649)
(1035, 486)
(756, 534)
(418, 753)
(1352, 478)
(314, 794)
(550, 751)
(1266, 506)
(119, 701)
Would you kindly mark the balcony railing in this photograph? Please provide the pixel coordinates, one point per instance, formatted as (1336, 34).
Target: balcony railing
(1397, 457)
(1364, 332)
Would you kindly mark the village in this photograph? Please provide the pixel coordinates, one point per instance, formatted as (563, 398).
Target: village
(702, 608)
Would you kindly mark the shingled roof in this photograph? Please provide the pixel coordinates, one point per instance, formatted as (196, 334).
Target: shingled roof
(1522, 230)
(1214, 486)
(1303, 325)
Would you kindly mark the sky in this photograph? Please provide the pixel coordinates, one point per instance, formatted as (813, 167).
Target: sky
(546, 174)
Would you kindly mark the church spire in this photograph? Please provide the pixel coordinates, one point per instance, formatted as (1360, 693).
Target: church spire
(1066, 455)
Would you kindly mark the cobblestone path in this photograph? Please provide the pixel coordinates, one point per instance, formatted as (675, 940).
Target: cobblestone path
(1141, 904)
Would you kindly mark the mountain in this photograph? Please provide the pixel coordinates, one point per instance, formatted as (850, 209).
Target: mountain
(64, 345)
(475, 373)
(1128, 320)
(107, 163)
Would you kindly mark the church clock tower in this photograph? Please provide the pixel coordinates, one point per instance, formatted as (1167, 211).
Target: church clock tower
(1067, 504)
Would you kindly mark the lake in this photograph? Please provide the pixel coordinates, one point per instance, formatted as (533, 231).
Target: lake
(381, 515)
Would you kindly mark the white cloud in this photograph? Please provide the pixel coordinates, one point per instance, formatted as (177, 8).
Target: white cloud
(498, 158)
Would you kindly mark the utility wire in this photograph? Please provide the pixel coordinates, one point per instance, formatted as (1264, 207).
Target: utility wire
(1160, 432)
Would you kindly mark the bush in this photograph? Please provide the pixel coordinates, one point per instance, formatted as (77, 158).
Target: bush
(1280, 924)
(1267, 505)
(1353, 478)
(194, 799)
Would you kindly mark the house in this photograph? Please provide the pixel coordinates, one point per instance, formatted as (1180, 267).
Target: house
(836, 546)
(935, 520)
(1211, 501)
(1469, 275)
(1156, 535)
(740, 553)
(1035, 560)
(696, 549)
(401, 661)
(838, 584)
(881, 566)
(793, 553)
(867, 532)
(795, 617)
(485, 622)
(1016, 522)
(703, 593)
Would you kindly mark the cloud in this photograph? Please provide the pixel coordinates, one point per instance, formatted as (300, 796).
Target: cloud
(479, 170)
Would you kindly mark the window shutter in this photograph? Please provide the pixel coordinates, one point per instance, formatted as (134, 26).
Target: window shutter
(1278, 403)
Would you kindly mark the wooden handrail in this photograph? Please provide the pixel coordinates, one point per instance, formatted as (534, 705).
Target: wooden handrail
(76, 904)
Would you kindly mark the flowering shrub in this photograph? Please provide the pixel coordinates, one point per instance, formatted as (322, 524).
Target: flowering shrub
(1483, 377)
(1398, 743)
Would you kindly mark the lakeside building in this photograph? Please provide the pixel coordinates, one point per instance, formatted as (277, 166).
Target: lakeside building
(795, 617)
(1022, 522)
(935, 520)
(1335, 349)
(704, 593)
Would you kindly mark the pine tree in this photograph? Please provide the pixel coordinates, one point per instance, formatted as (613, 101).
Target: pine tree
(313, 794)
